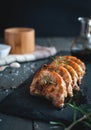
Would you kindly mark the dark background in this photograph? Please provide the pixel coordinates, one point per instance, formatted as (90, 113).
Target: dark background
(48, 17)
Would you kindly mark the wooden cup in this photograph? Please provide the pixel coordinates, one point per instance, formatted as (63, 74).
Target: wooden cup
(21, 40)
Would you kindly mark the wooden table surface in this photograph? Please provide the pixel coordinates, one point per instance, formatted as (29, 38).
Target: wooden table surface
(8, 122)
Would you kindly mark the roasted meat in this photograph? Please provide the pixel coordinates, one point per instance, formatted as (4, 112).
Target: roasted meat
(50, 85)
(78, 61)
(72, 72)
(74, 65)
(66, 76)
(58, 79)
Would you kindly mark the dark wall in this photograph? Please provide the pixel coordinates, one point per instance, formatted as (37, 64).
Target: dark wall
(48, 17)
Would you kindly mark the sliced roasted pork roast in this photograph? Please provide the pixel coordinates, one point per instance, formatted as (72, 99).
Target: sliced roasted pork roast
(57, 80)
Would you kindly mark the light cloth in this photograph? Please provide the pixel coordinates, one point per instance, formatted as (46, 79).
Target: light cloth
(39, 53)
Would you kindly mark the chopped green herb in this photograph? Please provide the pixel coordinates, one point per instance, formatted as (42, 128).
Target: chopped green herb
(47, 80)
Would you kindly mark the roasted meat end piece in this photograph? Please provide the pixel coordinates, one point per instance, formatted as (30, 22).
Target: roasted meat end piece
(50, 85)
(78, 61)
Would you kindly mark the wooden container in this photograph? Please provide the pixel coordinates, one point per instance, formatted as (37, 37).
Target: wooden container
(21, 40)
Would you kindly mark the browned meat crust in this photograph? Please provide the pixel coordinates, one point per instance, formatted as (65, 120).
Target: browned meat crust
(58, 79)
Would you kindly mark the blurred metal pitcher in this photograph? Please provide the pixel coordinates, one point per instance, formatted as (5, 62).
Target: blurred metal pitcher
(81, 46)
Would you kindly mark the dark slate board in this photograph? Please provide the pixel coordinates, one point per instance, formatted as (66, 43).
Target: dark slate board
(20, 103)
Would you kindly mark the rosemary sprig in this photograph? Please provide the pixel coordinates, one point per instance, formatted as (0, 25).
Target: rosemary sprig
(56, 62)
(86, 123)
(74, 106)
(75, 115)
(83, 119)
(47, 80)
(61, 60)
(79, 120)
